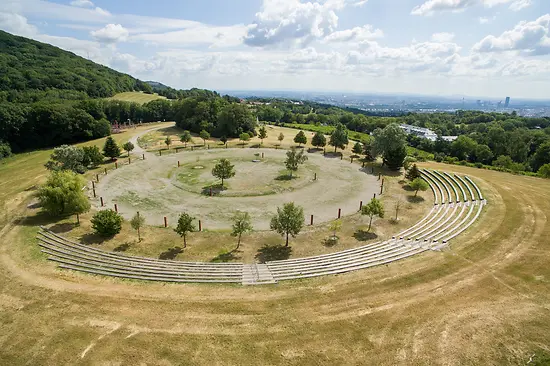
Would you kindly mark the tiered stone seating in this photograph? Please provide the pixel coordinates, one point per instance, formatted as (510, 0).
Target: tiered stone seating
(456, 207)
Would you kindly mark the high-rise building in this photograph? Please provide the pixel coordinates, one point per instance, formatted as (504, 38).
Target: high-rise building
(507, 102)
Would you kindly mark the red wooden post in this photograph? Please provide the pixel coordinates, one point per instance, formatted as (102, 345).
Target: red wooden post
(93, 189)
(339, 212)
(160, 152)
(200, 225)
(178, 163)
(374, 196)
(116, 208)
(105, 171)
(360, 205)
(311, 220)
(379, 176)
(165, 222)
(93, 185)
(116, 165)
(315, 178)
(143, 156)
(97, 177)
(129, 160)
(351, 160)
(381, 188)
(101, 200)
(341, 156)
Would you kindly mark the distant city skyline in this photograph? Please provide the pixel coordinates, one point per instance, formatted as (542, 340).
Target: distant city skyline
(483, 48)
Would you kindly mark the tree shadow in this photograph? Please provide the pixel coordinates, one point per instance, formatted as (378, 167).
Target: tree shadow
(225, 256)
(92, 238)
(313, 150)
(122, 247)
(408, 188)
(333, 155)
(273, 253)
(217, 189)
(40, 219)
(255, 146)
(63, 228)
(171, 253)
(415, 199)
(331, 241)
(362, 235)
(286, 177)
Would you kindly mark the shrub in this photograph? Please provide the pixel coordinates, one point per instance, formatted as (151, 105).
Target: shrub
(107, 223)
(5, 150)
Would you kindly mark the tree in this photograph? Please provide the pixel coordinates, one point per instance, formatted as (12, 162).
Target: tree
(413, 173)
(111, 149)
(339, 137)
(5, 150)
(483, 154)
(185, 225)
(503, 161)
(204, 135)
(262, 134)
(137, 223)
(391, 143)
(242, 224)
(544, 171)
(62, 194)
(463, 147)
(67, 158)
(244, 137)
(294, 158)
(223, 170)
(335, 226)
(288, 221)
(368, 150)
(223, 139)
(373, 208)
(357, 148)
(168, 142)
(128, 147)
(281, 138)
(186, 137)
(541, 156)
(319, 140)
(408, 161)
(418, 184)
(92, 156)
(300, 138)
(107, 223)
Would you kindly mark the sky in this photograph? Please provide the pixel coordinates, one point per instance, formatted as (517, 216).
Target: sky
(490, 48)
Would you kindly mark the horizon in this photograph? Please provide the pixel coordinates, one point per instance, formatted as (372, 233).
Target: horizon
(335, 46)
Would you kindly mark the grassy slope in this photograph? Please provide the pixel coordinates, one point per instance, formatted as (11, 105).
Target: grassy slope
(136, 97)
(484, 301)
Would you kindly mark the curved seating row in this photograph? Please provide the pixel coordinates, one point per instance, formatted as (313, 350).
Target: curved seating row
(456, 208)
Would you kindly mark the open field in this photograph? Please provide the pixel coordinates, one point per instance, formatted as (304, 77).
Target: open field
(485, 300)
(136, 97)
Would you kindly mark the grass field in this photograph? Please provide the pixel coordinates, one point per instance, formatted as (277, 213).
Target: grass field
(136, 97)
(483, 301)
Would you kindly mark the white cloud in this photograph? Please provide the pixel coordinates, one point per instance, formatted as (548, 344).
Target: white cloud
(111, 33)
(443, 37)
(430, 7)
(486, 20)
(83, 3)
(292, 22)
(530, 38)
(520, 4)
(17, 24)
(359, 3)
(357, 34)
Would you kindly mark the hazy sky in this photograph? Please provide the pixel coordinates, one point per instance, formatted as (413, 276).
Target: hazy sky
(488, 48)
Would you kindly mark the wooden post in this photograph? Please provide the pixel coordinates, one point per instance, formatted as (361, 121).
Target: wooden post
(351, 159)
(363, 164)
(200, 225)
(262, 155)
(105, 171)
(178, 163)
(381, 188)
(374, 196)
(97, 177)
(315, 178)
(379, 176)
(360, 205)
(311, 220)
(339, 212)
(93, 189)
(208, 146)
(165, 222)
(93, 185)
(324, 151)
(143, 156)
(129, 160)
(116, 208)
(101, 200)
(116, 165)
(341, 156)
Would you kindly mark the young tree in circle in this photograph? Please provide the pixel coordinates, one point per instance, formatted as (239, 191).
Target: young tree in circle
(204, 135)
(357, 148)
(319, 140)
(111, 149)
(373, 208)
(262, 134)
(288, 221)
(128, 147)
(186, 137)
(300, 138)
(241, 225)
(168, 142)
(137, 223)
(223, 170)
(62, 195)
(294, 158)
(418, 184)
(281, 138)
(185, 226)
(339, 137)
(244, 137)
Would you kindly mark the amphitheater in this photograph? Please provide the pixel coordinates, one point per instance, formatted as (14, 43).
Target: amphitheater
(458, 202)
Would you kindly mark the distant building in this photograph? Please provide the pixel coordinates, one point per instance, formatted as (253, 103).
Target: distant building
(507, 102)
(425, 133)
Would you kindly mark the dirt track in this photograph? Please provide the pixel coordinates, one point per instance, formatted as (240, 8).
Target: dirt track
(149, 186)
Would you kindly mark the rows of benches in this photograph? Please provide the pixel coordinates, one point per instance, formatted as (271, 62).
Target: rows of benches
(457, 204)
